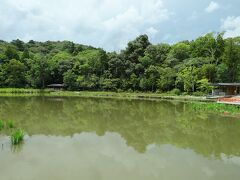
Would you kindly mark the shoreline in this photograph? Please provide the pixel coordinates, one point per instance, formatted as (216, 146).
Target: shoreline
(197, 103)
(101, 94)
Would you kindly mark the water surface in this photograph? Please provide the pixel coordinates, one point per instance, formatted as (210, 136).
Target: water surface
(88, 138)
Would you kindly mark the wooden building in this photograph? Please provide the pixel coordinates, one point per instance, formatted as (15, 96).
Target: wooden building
(226, 89)
(227, 93)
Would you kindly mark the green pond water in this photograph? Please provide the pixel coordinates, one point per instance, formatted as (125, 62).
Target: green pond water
(112, 139)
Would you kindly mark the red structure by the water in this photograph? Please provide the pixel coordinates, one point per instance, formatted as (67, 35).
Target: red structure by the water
(230, 100)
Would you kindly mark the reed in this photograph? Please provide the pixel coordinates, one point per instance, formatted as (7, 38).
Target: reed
(17, 136)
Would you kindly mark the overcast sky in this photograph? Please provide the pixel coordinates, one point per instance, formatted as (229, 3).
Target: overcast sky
(110, 24)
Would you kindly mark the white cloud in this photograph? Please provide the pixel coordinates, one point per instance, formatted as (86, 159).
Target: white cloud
(231, 26)
(104, 23)
(213, 6)
(152, 31)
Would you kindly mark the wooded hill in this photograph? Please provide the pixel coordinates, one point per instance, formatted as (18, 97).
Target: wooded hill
(187, 66)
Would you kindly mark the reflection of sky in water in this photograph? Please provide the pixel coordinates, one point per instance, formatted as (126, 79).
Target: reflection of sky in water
(88, 156)
(88, 138)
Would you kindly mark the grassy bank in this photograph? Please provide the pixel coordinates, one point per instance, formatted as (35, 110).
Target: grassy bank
(122, 95)
(207, 105)
(23, 91)
(126, 95)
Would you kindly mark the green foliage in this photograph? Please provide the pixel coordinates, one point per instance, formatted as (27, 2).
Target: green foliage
(188, 77)
(22, 91)
(69, 47)
(180, 51)
(11, 53)
(175, 92)
(198, 93)
(13, 73)
(224, 109)
(204, 86)
(142, 66)
(136, 48)
(17, 137)
(232, 59)
(39, 73)
(166, 80)
(19, 44)
(25, 54)
(157, 53)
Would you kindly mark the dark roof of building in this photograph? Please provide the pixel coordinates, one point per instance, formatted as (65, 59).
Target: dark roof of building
(226, 84)
(56, 85)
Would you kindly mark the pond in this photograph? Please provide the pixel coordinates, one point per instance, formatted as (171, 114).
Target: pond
(112, 139)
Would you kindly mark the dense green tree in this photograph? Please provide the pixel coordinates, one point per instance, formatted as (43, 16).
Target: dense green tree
(188, 65)
(134, 81)
(209, 71)
(69, 47)
(204, 86)
(115, 65)
(11, 53)
(19, 44)
(151, 76)
(188, 77)
(158, 53)
(136, 48)
(13, 73)
(25, 54)
(39, 73)
(208, 46)
(222, 74)
(232, 59)
(59, 64)
(70, 80)
(180, 51)
(166, 81)
(146, 61)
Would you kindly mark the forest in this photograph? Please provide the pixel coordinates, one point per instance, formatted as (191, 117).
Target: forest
(184, 67)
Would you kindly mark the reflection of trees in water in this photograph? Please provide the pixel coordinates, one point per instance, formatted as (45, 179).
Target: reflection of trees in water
(139, 122)
(17, 148)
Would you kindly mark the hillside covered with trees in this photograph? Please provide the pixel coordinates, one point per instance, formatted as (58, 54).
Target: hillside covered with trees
(187, 66)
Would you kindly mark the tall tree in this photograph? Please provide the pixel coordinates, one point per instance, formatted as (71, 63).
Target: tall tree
(14, 74)
(11, 53)
(232, 58)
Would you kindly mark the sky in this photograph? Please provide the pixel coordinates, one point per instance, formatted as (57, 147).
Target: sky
(110, 24)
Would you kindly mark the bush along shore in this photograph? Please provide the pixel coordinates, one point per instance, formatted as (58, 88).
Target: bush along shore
(101, 94)
(197, 103)
(23, 91)
(17, 134)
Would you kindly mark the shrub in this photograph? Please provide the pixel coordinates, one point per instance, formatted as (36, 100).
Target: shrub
(198, 93)
(175, 91)
(17, 137)
(185, 93)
